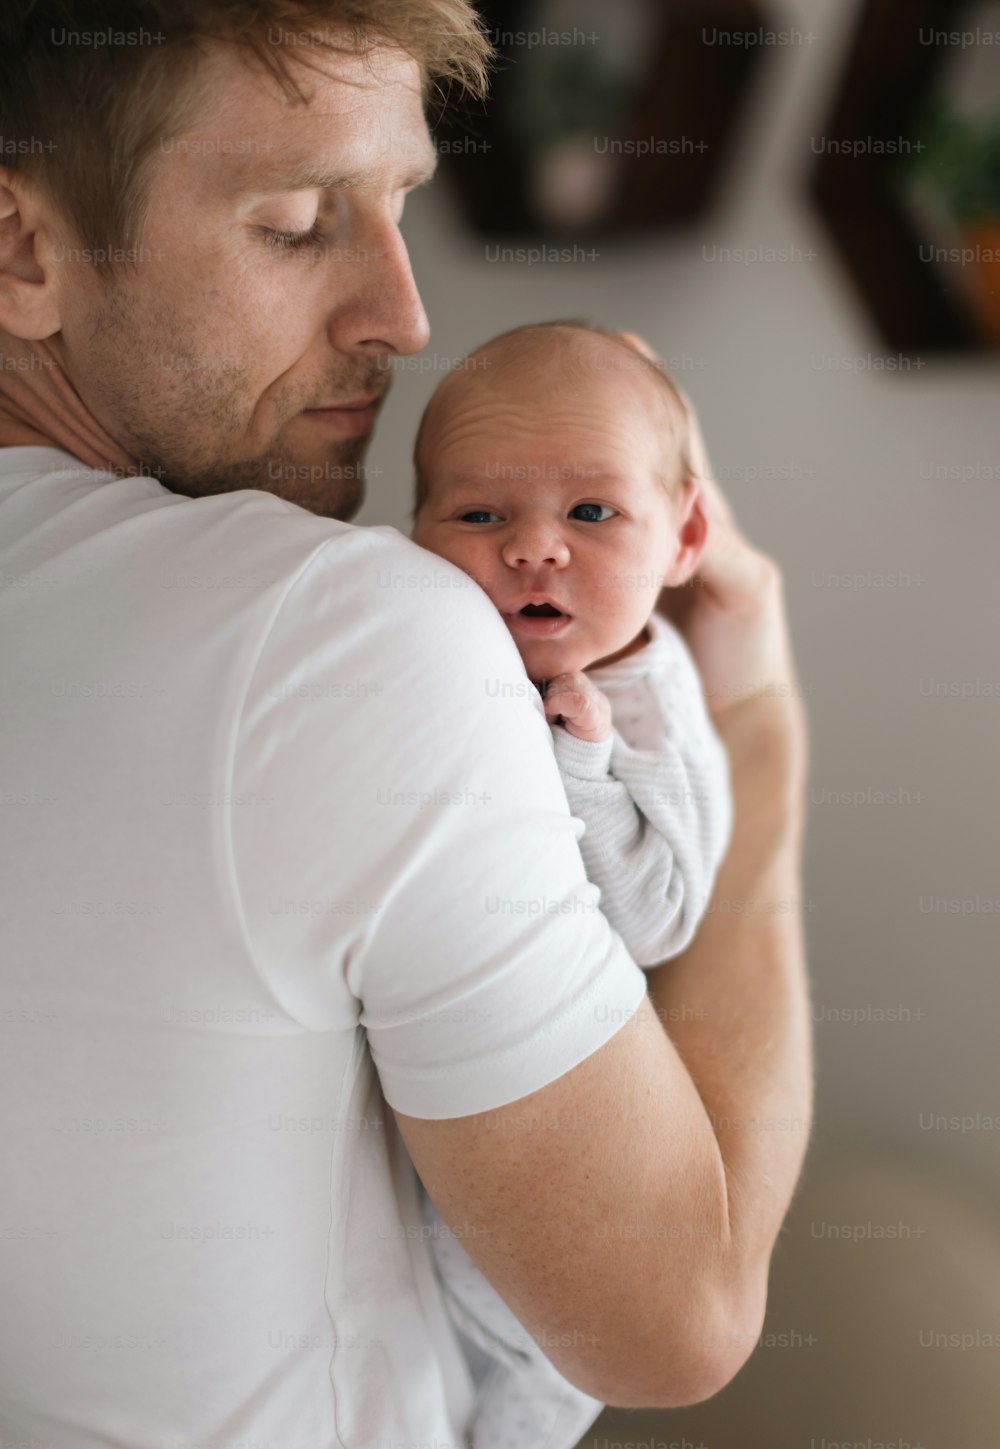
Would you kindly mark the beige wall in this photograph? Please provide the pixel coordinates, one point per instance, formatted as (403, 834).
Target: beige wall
(853, 450)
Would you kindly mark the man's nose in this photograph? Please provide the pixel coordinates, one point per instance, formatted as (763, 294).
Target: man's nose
(534, 542)
(382, 311)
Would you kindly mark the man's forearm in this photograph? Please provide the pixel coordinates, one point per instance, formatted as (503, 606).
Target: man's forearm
(736, 1003)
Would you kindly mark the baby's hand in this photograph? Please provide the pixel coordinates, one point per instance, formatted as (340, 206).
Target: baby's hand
(575, 701)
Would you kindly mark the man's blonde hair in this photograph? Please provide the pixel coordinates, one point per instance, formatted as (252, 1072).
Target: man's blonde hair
(89, 92)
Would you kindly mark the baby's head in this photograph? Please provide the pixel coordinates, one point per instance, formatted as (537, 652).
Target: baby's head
(552, 467)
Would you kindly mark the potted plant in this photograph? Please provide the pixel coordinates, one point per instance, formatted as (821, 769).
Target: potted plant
(960, 164)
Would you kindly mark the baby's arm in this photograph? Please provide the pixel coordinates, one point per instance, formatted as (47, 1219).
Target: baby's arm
(657, 820)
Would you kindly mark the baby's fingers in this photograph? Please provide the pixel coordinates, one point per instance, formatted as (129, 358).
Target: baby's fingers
(576, 702)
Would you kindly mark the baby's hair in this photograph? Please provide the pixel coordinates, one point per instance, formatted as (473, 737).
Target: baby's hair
(513, 353)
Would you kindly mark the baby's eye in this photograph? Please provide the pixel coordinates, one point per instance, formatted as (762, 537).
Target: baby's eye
(591, 512)
(478, 515)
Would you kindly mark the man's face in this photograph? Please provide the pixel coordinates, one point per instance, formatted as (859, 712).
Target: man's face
(215, 360)
(552, 501)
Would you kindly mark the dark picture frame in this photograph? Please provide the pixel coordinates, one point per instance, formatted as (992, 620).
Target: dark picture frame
(892, 70)
(674, 137)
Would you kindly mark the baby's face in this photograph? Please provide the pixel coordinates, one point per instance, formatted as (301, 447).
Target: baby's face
(553, 503)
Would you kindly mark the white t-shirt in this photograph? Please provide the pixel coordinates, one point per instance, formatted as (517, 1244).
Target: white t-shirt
(283, 832)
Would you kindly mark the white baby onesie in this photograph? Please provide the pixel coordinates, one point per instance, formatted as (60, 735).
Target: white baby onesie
(655, 797)
(656, 803)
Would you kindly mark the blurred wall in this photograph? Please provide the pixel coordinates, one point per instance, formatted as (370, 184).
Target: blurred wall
(835, 468)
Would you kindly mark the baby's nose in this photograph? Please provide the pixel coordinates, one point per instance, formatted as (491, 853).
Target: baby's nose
(536, 543)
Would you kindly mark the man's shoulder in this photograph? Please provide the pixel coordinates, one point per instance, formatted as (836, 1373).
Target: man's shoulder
(406, 664)
(248, 554)
(405, 587)
(416, 622)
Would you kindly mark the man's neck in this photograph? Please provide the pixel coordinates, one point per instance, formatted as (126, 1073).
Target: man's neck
(14, 435)
(40, 407)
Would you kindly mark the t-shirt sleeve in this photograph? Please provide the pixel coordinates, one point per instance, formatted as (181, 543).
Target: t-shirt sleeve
(404, 852)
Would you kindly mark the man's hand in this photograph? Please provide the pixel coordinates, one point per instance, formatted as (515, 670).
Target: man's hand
(575, 701)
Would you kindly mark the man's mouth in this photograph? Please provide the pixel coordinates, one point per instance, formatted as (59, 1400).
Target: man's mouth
(351, 405)
(350, 419)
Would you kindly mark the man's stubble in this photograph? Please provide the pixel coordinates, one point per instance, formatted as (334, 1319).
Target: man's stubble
(184, 418)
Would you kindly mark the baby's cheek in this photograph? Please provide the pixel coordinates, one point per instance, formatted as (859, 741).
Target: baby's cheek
(623, 601)
(445, 544)
(470, 554)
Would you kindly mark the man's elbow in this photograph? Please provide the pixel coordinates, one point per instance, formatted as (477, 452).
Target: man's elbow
(709, 1356)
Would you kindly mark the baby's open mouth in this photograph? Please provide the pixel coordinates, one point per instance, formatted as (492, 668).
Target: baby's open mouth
(538, 619)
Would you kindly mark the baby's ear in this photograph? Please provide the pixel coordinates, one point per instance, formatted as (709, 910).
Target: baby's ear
(692, 535)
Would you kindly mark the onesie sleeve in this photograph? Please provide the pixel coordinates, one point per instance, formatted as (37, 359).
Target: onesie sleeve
(657, 820)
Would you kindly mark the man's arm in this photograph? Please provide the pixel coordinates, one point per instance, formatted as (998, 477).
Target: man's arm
(735, 1005)
(622, 1211)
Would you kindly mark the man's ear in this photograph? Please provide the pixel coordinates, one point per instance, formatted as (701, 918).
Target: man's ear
(692, 535)
(28, 295)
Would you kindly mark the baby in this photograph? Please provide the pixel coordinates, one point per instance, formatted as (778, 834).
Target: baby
(552, 467)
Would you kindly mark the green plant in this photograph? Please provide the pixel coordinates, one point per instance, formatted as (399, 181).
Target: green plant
(575, 92)
(960, 160)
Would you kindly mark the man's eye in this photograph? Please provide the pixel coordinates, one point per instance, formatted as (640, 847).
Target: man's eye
(591, 512)
(294, 241)
(478, 515)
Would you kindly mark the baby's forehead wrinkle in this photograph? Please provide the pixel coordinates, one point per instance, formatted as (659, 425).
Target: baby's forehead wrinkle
(564, 355)
(531, 397)
(511, 421)
(557, 362)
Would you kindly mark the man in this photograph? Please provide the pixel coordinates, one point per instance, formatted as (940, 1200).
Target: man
(285, 840)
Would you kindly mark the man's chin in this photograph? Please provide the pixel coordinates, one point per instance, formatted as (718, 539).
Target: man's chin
(329, 488)
(320, 488)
